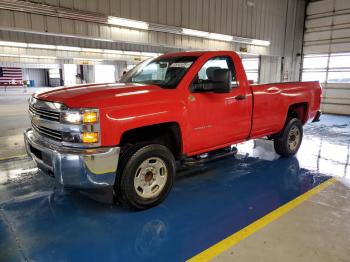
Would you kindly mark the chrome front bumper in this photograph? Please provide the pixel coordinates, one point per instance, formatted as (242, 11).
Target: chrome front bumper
(72, 167)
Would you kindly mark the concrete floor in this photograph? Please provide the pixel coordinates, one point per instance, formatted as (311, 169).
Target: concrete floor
(317, 230)
(14, 119)
(42, 222)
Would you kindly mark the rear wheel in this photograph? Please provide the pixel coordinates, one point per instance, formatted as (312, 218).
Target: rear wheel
(287, 143)
(145, 176)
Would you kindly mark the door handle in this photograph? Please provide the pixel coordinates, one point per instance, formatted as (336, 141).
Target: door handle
(273, 90)
(240, 97)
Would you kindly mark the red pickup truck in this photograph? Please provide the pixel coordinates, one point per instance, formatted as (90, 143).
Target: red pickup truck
(128, 136)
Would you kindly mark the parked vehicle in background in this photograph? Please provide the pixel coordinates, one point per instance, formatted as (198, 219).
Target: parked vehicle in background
(128, 136)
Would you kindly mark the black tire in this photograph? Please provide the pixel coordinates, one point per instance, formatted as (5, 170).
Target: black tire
(129, 164)
(283, 143)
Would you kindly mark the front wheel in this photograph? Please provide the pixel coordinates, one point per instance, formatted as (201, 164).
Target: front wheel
(287, 143)
(145, 176)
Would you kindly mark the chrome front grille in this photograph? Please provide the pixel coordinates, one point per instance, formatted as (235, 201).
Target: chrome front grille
(48, 132)
(45, 118)
(45, 113)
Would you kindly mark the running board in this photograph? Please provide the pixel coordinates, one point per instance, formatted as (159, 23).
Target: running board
(210, 156)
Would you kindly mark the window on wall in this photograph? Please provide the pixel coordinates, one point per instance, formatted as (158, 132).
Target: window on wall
(339, 68)
(104, 73)
(251, 67)
(327, 68)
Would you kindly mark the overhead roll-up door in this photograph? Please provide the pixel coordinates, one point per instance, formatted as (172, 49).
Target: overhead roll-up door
(327, 52)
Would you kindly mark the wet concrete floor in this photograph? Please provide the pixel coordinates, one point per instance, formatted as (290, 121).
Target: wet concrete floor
(40, 221)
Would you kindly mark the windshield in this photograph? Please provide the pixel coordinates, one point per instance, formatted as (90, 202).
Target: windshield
(165, 72)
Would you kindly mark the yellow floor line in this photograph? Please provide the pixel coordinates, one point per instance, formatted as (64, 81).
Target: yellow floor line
(10, 157)
(232, 240)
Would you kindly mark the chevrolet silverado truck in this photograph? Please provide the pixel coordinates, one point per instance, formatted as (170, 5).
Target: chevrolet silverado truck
(128, 136)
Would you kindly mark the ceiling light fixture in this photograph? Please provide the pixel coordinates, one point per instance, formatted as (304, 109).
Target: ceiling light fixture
(135, 53)
(260, 42)
(68, 48)
(41, 46)
(221, 37)
(12, 44)
(92, 50)
(87, 59)
(28, 56)
(39, 57)
(110, 51)
(149, 54)
(192, 32)
(112, 20)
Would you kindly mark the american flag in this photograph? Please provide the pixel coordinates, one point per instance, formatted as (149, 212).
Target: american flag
(10, 76)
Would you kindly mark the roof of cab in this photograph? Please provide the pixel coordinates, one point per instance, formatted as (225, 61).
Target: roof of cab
(192, 53)
(188, 53)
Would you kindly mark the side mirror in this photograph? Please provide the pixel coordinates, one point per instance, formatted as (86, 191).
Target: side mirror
(220, 82)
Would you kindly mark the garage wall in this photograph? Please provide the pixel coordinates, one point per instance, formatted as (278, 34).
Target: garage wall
(120, 66)
(327, 34)
(89, 70)
(270, 69)
(38, 75)
(246, 18)
(278, 21)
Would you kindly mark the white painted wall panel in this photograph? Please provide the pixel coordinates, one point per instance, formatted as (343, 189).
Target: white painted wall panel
(318, 22)
(341, 33)
(314, 36)
(342, 4)
(340, 47)
(270, 69)
(319, 7)
(336, 109)
(316, 49)
(341, 19)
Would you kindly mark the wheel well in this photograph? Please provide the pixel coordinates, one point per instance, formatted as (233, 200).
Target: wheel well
(167, 134)
(298, 111)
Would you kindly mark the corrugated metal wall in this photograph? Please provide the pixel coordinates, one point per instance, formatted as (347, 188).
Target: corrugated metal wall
(279, 21)
(247, 18)
(270, 69)
(327, 30)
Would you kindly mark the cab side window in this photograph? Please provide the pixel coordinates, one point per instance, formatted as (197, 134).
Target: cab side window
(205, 74)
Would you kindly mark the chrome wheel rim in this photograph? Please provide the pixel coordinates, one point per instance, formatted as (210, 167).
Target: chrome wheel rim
(150, 177)
(293, 138)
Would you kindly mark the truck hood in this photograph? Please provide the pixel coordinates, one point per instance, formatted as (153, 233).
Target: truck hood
(103, 95)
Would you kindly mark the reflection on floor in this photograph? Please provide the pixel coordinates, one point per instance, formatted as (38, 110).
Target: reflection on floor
(41, 221)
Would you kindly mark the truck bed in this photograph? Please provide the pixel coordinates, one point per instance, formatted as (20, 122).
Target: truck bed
(271, 103)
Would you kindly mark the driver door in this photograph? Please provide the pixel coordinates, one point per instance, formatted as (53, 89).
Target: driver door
(217, 119)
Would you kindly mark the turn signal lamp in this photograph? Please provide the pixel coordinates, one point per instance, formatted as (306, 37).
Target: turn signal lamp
(82, 116)
(89, 117)
(89, 137)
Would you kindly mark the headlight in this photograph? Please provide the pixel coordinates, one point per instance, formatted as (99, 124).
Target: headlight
(88, 132)
(72, 117)
(84, 116)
